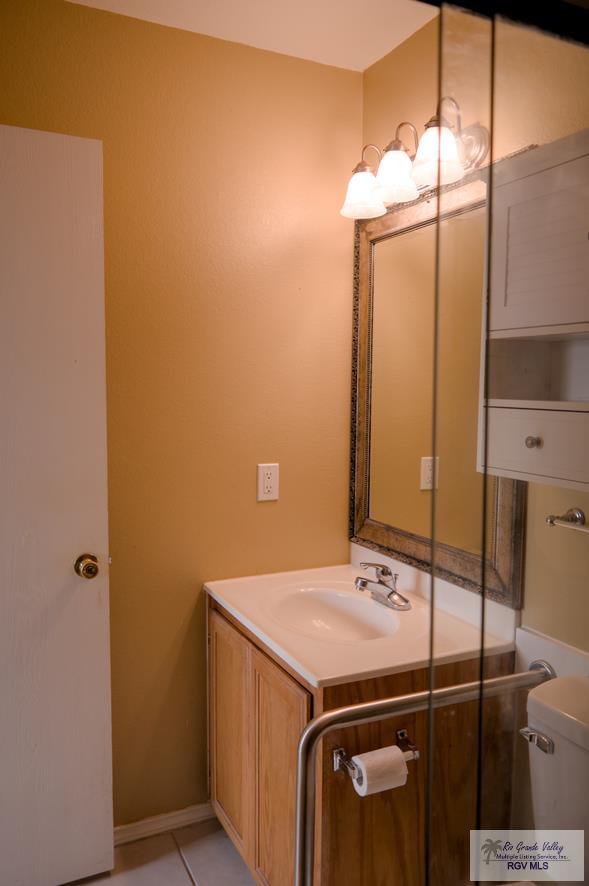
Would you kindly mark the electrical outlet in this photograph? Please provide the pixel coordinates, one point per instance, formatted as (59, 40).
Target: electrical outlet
(268, 482)
(426, 480)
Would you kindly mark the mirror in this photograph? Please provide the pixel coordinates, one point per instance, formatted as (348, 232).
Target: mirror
(400, 269)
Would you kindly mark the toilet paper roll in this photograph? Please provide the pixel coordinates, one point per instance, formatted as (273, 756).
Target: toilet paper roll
(380, 770)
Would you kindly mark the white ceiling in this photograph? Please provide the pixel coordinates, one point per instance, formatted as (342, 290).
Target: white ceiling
(345, 33)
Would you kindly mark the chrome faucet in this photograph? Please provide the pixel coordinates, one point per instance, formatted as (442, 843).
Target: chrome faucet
(384, 589)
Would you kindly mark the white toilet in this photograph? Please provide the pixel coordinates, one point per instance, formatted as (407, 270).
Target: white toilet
(558, 711)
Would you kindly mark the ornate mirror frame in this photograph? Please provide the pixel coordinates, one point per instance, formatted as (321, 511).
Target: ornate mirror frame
(503, 569)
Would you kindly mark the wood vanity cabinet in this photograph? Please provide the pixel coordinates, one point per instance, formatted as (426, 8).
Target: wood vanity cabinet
(257, 711)
(537, 365)
(230, 695)
(280, 711)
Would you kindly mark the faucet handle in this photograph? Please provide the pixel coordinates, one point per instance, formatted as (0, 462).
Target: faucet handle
(381, 569)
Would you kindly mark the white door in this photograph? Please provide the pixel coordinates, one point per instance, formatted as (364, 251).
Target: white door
(55, 732)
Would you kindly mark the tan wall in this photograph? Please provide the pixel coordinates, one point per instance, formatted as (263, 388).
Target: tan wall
(402, 86)
(228, 299)
(540, 95)
(557, 568)
(540, 82)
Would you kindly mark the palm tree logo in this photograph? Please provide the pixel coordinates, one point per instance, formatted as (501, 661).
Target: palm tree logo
(489, 848)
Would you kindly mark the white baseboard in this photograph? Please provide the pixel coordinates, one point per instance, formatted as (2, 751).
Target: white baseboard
(162, 824)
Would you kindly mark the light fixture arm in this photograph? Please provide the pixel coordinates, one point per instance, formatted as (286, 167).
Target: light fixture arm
(374, 147)
(397, 143)
(363, 165)
(455, 107)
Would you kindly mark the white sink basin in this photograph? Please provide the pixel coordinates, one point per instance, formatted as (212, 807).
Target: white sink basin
(328, 632)
(335, 614)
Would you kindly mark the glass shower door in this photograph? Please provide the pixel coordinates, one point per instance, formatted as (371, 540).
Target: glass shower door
(510, 424)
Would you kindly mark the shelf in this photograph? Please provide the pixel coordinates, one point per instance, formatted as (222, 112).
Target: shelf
(540, 371)
(549, 333)
(551, 405)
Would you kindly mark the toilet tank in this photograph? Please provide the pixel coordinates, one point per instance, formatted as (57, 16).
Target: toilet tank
(559, 709)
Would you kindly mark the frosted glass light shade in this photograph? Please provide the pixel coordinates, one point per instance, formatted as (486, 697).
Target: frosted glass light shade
(394, 180)
(437, 141)
(362, 197)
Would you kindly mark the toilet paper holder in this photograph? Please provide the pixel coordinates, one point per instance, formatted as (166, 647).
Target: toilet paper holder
(343, 763)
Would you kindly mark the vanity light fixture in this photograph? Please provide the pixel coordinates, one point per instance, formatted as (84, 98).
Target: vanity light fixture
(393, 178)
(444, 153)
(446, 150)
(437, 161)
(362, 197)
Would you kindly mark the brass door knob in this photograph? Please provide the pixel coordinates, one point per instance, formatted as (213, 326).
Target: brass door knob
(86, 566)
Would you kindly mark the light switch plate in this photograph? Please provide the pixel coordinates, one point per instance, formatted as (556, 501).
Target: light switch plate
(268, 482)
(426, 478)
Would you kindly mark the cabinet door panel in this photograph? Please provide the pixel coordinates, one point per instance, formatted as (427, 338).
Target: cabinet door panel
(230, 674)
(540, 250)
(282, 709)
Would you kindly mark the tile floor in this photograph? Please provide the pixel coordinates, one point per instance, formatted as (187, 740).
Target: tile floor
(199, 855)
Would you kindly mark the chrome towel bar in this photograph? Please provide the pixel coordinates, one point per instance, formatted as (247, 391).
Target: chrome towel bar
(573, 519)
(371, 712)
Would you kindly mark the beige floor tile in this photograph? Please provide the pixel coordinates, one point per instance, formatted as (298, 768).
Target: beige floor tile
(211, 856)
(151, 862)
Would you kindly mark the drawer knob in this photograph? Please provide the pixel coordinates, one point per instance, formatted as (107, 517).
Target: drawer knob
(534, 442)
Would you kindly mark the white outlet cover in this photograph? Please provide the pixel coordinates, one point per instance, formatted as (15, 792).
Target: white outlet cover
(268, 476)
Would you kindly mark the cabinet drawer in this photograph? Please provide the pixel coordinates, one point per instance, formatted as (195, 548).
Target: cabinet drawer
(562, 455)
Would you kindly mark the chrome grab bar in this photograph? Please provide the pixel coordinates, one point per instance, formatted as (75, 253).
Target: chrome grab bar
(573, 519)
(371, 712)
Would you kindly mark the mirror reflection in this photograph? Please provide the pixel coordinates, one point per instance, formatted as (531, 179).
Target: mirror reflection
(401, 465)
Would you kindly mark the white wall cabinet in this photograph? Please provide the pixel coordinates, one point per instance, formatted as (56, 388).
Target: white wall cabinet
(535, 396)
(540, 250)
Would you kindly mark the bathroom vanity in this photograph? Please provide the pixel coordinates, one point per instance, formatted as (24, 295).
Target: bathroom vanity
(284, 648)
